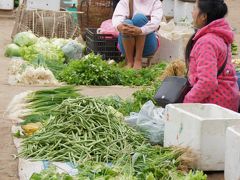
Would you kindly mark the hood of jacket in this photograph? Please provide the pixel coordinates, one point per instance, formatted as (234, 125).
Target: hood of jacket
(218, 27)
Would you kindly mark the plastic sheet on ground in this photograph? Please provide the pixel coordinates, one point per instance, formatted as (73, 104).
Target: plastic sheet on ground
(150, 121)
(27, 167)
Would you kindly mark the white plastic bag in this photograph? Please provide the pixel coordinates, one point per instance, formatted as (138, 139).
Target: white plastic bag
(149, 120)
(72, 50)
(173, 32)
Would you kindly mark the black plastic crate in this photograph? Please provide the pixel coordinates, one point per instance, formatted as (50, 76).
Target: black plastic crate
(103, 44)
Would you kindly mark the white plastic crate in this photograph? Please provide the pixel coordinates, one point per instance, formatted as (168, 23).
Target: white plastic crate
(232, 154)
(168, 8)
(7, 4)
(53, 5)
(183, 11)
(202, 127)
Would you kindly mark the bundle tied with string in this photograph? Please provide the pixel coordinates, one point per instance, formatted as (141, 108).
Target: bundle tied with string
(174, 68)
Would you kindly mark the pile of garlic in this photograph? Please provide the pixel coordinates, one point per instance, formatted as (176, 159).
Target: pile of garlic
(39, 75)
(20, 72)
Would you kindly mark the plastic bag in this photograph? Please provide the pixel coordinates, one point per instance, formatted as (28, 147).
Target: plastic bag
(72, 50)
(174, 32)
(149, 121)
(107, 28)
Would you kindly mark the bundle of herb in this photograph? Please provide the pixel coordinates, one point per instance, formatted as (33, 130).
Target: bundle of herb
(50, 174)
(234, 48)
(134, 104)
(155, 163)
(92, 70)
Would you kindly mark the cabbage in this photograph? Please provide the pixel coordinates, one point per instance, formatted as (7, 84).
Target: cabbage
(72, 50)
(42, 40)
(59, 42)
(12, 50)
(25, 39)
(44, 49)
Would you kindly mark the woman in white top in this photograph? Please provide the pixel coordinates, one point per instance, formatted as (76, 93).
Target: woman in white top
(137, 37)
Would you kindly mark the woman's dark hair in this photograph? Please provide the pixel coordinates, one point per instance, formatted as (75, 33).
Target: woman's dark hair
(214, 9)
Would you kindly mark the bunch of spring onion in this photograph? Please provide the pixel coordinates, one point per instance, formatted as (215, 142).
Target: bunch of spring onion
(41, 103)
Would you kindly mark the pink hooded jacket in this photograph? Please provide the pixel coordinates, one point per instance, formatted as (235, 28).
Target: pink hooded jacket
(207, 56)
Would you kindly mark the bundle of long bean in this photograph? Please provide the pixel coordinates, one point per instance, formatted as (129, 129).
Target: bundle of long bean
(42, 102)
(82, 129)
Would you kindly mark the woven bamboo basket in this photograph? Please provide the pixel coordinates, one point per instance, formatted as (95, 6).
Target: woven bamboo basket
(50, 24)
(95, 12)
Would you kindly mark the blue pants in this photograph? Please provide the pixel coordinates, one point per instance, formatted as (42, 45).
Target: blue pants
(151, 42)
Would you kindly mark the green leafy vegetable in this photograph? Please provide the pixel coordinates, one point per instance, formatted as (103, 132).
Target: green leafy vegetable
(25, 39)
(234, 48)
(50, 174)
(145, 163)
(43, 48)
(92, 70)
(134, 104)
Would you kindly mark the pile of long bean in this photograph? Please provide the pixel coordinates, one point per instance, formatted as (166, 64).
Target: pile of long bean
(82, 129)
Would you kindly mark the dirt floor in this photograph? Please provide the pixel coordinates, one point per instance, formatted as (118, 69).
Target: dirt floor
(8, 166)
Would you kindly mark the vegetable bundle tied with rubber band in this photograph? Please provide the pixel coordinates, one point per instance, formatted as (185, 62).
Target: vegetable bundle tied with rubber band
(82, 129)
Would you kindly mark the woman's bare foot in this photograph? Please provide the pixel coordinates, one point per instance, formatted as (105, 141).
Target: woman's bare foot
(137, 65)
(129, 65)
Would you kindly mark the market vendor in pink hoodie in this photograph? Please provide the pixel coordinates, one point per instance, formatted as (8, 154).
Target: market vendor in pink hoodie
(137, 37)
(206, 53)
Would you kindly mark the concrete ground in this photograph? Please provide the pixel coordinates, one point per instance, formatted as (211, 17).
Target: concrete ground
(8, 165)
